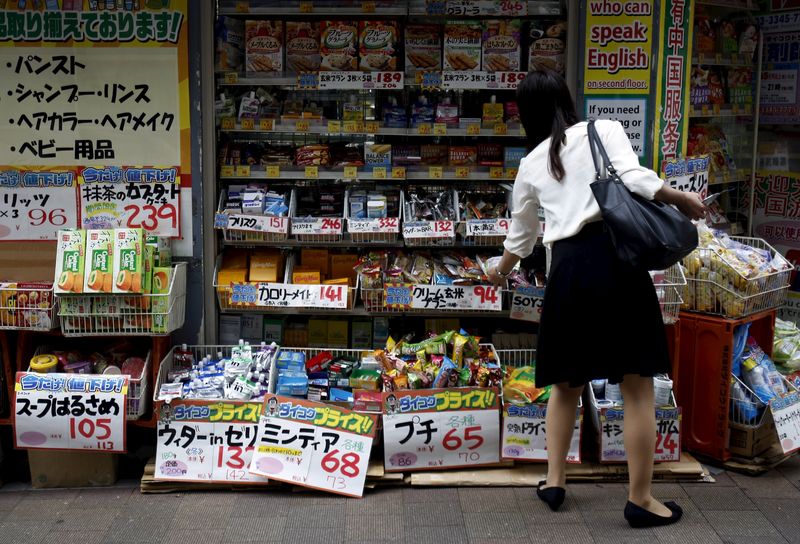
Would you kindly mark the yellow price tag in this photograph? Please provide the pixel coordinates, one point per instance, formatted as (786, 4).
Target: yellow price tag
(334, 126)
(302, 126)
(474, 129)
(462, 172)
(435, 172)
(372, 127)
(715, 107)
(379, 172)
(226, 171)
(511, 173)
(734, 58)
(228, 123)
(700, 58)
(351, 172)
(522, 131)
(718, 58)
(398, 172)
(312, 172)
(424, 129)
(496, 172)
(439, 129)
(368, 7)
(243, 7)
(273, 171)
(351, 127)
(243, 171)
(231, 78)
(748, 109)
(306, 7)
(735, 109)
(704, 109)
(248, 124)
(500, 129)
(266, 124)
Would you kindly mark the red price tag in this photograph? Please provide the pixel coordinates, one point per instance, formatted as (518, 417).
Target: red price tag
(388, 80)
(467, 436)
(388, 223)
(666, 445)
(159, 218)
(443, 226)
(486, 294)
(331, 224)
(233, 457)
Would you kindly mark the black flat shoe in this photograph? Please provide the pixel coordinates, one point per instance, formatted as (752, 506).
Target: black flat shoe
(553, 496)
(639, 518)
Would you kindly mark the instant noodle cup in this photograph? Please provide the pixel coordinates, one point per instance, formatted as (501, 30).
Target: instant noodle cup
(44, 363)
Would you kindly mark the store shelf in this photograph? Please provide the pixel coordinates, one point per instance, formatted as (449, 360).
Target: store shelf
(318, 11)
(722, 60)
(717, 179)
(362, 312)
(449, 173)
(722, 111)
(349, 244)
(732, 5)
(383, 131)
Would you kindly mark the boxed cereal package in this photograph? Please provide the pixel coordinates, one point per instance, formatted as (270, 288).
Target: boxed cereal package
(377, 46)
(462, 45)
(264, 46)
(501, 50)
(423, 48)
(302, 46)
(339, 45)
(548, 45)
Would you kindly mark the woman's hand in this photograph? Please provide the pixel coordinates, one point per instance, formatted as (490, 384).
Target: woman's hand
(691, 205)
(496, 278)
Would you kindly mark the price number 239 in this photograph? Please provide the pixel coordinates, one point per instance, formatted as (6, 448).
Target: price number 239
(149, 217)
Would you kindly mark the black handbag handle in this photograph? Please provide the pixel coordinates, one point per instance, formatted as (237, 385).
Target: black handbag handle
(596, 146)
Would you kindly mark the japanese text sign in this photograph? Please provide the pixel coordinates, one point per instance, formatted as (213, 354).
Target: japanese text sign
(35, 205)
(668, 437)
(314, 445)
(526, 304)
(441, 428)
(207, 441)
(688, 174)
(786, 413)
(443, 297)
(288, 295)
(525, 433)
(70, 411)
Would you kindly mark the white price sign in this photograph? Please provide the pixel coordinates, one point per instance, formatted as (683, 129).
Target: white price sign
(786, 413)
(37, 212)
(70, 412)
(317, 225)
(384, 80)
(455, 79)
(456, 297)
(428, 229)
(689, 175)
(289, 295)
(361, 80)
(488, 227)
(668, 438)
(526, 304)
(373, 226)
(525, 433)
(203, 441)
(314, 445)
(258, 223)
(504, 80)
(440, 428)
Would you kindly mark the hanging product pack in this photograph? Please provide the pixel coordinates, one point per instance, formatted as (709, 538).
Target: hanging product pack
(645, 233)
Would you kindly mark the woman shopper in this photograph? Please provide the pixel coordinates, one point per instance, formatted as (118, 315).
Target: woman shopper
(601, 317)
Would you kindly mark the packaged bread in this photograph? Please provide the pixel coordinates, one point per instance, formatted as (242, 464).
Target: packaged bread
(501, 50)
(377, 46)
(264, 46)
(423, 48)
(339, 45)
(302, 46)
(548, 45)
(462, 45)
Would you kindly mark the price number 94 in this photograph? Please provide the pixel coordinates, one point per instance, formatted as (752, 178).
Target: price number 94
(486, 294)
(149, 217)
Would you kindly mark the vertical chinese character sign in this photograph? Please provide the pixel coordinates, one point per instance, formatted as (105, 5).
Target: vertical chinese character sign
(95, 131)
(674, 65)
(616, 80)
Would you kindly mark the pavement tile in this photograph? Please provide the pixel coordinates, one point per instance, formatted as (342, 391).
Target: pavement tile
(722, 479)
(308, 535)
(431, 494)
(576, 533)
(137, 528)
(110, 497)
(51, 494)
(24, 532)
(256, 529)
(480, 499)
(667, 491)
(246, 504)
(495, 525)
(761, 540)
(720, 498)
(435, 535)
(611, 523)
(687, 533)
(388, 528)
(536, 511)
(177, 536)
(432, 514)
(8, 501)
(626, 539)
(83, 537)
(741, 524)
(769, 487)
(85, 521)
(31, 510)
(314, 516)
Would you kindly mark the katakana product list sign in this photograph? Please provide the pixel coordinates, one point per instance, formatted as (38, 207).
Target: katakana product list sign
(690, 175)
(780, 89)
(313, 445)
(97, 103)
(618, 48)
(612, 430)
(525, 433)
(786, 413)
(441, 428)
(201, 441)
(672, 91)
(70, 412)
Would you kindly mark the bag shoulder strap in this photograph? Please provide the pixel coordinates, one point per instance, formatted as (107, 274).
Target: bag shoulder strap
(597, 148)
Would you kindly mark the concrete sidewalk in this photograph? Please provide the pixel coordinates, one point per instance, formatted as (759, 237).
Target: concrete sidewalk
(737, 510)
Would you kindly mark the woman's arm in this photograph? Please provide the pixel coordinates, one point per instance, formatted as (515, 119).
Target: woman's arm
(689, 203)
(498, 274)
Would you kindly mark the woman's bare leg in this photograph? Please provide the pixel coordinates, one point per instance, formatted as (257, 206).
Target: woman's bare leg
(560, 422)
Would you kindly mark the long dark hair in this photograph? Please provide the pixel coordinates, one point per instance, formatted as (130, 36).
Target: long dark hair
(546, 110)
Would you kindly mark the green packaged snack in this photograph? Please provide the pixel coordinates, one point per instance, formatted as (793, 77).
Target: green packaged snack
(464, 375)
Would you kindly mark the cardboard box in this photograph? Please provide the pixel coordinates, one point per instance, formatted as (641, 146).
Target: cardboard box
(304, 276)
(162, 278)
(252, 327)
(378, 46)
(423, 48)
(337, 281)
(338, 333)
(266, 267)
(51, 469)
(751, 441)
(70, 259)
(264, 46)
(501, 45)
(318, 333)
(315, 259)
(342, 266)
(128, 260)
(362, 335)
(339, 45)
(273, 331)
(302, 46)
(462, 45)
(99, 268)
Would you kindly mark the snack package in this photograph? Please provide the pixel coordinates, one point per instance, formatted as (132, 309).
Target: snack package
(264, 46)
(748, 40)
(699, 90)
(377, 46)
(716, 87)
(728, 37)
(302, 46)
(70, 259)
(423, 48)
(548, 45)
(339, 45)
(128, 260)
(759, 373)
(463, 156)
(377, 155)
(229, 35)
(705, 35)
(462, 45)
(740, 85)
(501, 49)
(100, 261)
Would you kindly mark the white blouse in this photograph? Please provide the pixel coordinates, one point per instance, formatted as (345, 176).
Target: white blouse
(569, 204)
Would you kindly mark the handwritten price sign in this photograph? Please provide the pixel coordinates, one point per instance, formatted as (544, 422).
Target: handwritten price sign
(257, 223)
(37, 213)
(525, 433)
(668, 438)
(428, 229)
(94, 420)
(313, 445)
(488, 227)
(319, 225)
(786, 413)
(192, 448)
(288, 295)
(448, 297)
(526, 304)
(373, 226)
(440, 428)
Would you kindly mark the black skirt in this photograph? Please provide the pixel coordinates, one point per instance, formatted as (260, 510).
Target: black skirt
(600, 318)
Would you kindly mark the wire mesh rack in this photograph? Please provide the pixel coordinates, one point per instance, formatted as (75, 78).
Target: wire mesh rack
(371, 230)
(129, 315)
(517, 357)
(429, 233)
(669, 284)
(253, 228)
(484, 232)
(28, 306)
